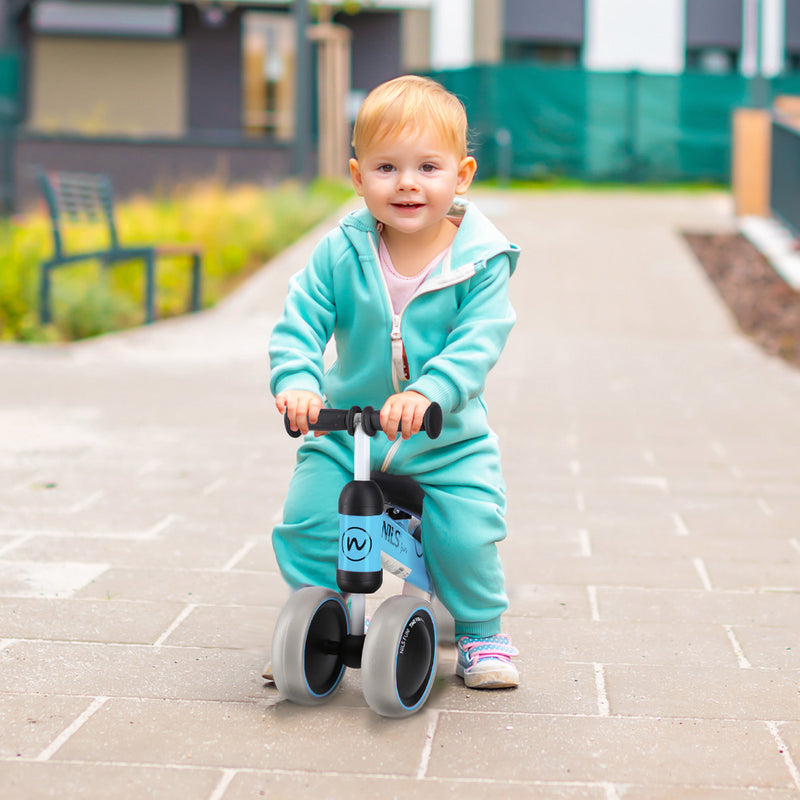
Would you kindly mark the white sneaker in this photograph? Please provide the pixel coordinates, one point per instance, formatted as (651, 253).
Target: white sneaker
(486, 663)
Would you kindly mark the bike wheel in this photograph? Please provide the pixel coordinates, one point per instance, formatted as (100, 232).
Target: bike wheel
(307, 664)
(398, 665)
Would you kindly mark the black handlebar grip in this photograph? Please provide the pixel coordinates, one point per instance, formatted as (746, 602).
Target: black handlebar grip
(431, 422)
(293, 433)
(334, 419)
(329, 419)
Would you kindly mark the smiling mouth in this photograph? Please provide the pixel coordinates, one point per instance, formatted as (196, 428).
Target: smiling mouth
(407, 205)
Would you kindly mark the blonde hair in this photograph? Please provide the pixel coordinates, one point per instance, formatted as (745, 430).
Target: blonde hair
(410, 103)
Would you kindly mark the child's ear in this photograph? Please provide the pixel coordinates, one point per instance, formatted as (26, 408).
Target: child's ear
(466, 172)
(355, 176)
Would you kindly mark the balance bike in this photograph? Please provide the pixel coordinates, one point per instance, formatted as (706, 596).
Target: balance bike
(316, 637)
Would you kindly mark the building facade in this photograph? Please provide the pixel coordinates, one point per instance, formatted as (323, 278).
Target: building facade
(657, 36)
(161, 91)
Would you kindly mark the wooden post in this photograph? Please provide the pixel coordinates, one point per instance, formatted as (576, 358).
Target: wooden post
(787, 108)
(333, 56)
(752, 139)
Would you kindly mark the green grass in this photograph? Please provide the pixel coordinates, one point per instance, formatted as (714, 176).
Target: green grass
(239, 227)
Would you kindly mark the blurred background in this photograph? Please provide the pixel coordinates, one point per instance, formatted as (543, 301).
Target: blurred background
(156, 92)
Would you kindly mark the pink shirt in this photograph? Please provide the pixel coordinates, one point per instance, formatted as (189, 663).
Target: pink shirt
(402, 288)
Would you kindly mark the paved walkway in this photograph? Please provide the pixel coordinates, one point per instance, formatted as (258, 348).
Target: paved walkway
(653, 462)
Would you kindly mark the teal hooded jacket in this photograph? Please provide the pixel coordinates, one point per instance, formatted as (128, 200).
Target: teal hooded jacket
(442, 344)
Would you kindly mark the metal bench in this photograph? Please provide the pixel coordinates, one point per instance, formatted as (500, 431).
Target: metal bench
(76, 197)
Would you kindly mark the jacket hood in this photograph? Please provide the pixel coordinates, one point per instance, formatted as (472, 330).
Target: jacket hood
(476, 241)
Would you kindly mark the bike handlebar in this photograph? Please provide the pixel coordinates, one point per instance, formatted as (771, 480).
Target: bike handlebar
(336, 419)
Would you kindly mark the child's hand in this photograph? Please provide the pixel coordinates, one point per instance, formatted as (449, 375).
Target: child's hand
(404, 412)
(301, 406)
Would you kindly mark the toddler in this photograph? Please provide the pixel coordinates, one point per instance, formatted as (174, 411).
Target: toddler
(414, 291)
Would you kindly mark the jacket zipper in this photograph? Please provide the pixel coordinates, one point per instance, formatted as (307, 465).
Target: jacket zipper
(400, 370)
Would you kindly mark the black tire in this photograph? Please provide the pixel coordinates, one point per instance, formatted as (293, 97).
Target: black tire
(398, 666)
(307, 663)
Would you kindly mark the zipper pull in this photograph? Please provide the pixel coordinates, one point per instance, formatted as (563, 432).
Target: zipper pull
(396, 335)
(399, 358)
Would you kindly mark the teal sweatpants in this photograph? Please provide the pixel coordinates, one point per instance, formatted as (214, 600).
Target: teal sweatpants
(463, 519)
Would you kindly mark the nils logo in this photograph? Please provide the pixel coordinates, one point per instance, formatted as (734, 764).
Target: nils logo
(356, 544)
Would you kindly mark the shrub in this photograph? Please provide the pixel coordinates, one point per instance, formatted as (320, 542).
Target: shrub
(239, 227)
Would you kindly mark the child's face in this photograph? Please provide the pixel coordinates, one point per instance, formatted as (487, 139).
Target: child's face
(409, 181)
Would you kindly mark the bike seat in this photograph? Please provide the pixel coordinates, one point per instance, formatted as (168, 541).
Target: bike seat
(400, 491)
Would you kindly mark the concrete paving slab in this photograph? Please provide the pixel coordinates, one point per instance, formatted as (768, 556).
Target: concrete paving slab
(237, 627)
(676, 573)
(650, 792)
(550, 687)
(732, 546)
(773, 648)
(543, 600)
(710, 693)
(120, 670)
(762, 608)
(653, 561)
(761, 575)
(195, 547)
(624, 642)
(380, 787)
(38, 781)
(30, 722)
(595, 748)
(248, 735)
(85, 621)
(188, 586)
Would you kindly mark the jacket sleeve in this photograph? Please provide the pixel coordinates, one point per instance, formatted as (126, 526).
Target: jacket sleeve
(485, 318)
(298, 340)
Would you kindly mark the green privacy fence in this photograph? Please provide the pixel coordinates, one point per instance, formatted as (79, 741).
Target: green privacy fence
(9, 116)
(535, 122)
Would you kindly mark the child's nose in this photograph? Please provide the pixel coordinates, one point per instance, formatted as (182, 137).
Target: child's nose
(408, 179)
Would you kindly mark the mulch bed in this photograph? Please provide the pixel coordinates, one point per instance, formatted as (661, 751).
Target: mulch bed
(764, 305)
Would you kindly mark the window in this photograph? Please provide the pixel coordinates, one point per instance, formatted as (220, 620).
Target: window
(542, 52)
(268, 74)
(95, 86)
(544, 31)
(714, 35)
